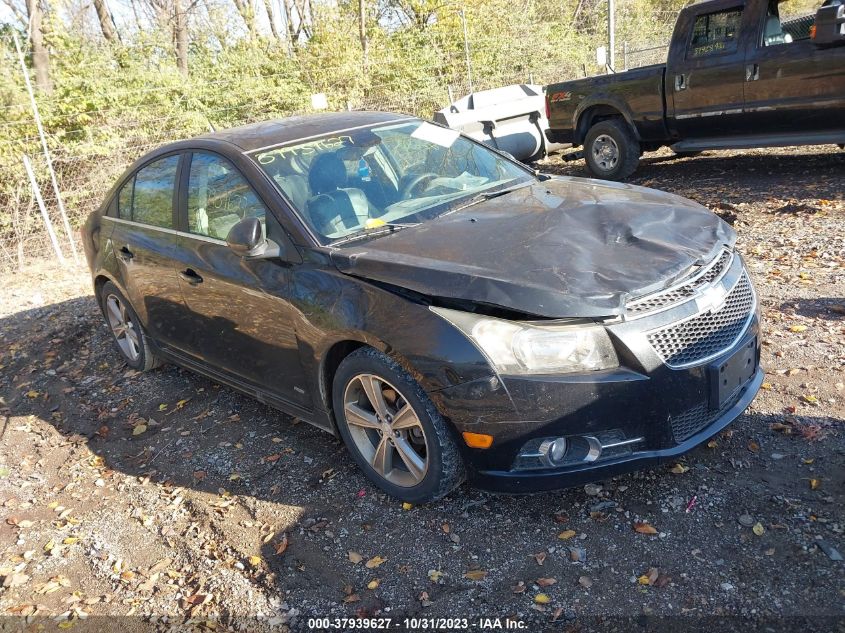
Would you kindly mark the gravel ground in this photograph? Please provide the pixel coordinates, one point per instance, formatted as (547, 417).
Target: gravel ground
(167, 497)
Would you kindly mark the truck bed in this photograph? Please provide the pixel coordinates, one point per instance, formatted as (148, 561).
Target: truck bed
(639, 91)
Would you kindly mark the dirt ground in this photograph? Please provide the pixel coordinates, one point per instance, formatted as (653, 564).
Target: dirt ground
(169, 498)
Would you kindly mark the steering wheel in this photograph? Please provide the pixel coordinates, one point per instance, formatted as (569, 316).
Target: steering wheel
(413, 182)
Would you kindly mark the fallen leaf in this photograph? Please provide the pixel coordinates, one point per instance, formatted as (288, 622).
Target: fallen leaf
(798, 328)
(373, 584)
(649, 577)
(753, 446)
(475, 574)
(374, 562)
(758, 529)
(199, 475)
(567, 534)
(546, 582)
(679, 469)
(644, 528)
(814, 484)
(519, 587)
(434, 575)
(281, 545)
(540, 557)
(160, 566)
(542, 598)
(15, 580)
(255, 561)
(585, 582)
(139, 428)
(407, 506)
(355, 557)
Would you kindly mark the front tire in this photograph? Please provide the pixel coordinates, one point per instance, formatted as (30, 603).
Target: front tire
(392, 429)
(129, 336)
(611, 150)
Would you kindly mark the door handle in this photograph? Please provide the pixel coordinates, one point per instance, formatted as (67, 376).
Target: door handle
(125, 254)
(680, 82)
(752, 72)
(190, 276)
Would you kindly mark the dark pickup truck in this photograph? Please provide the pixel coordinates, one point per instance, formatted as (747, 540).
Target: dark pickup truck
(736, 77)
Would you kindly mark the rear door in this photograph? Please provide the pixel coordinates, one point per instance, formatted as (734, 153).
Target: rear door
(705, 76)
(144, 240)
(242, 319)
(793, 86)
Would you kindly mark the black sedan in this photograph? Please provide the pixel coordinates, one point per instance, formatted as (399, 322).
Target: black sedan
(446, 311)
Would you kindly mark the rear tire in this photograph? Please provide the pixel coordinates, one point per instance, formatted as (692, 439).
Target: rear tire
(611, 150)
(393, 430)
(128, 334)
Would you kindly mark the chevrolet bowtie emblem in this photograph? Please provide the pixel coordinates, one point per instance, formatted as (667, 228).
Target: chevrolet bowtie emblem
(711, 299)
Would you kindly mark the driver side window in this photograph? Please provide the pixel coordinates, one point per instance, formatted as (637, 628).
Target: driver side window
(219, 197)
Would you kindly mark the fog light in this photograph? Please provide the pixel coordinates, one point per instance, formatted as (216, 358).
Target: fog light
(553, 450)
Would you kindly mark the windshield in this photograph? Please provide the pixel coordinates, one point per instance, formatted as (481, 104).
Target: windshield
(371, 180)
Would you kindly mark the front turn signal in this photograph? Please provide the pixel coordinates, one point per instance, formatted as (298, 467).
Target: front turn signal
(478, 440)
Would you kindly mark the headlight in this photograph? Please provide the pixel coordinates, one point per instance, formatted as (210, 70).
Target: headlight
(524, 348)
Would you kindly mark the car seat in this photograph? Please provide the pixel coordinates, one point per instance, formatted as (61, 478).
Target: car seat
(334, 207)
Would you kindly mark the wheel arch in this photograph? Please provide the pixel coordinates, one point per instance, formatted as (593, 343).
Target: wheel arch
(100, 280)
(590, 113)
(339, 350)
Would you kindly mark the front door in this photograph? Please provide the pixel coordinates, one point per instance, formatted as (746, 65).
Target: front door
(706, 75)
(144, 240)
(242, 317)
(793, 86)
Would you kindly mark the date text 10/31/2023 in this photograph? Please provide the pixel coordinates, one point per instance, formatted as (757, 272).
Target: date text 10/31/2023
(416, 624)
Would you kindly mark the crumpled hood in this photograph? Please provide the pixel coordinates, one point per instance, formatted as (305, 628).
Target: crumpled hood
(564, 247)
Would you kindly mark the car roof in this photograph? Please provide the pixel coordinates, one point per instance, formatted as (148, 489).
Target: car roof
(280, 131)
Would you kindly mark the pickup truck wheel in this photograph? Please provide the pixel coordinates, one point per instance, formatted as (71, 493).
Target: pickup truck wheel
(611, 150)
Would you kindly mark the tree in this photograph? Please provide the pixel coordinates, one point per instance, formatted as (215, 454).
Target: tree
(106, 21)
(362, 33)
(40, 54)
(246, 8)
(268, 6)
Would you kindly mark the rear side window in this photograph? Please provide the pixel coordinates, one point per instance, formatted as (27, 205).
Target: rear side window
(153, 199)
(124, 200)
(715, 33)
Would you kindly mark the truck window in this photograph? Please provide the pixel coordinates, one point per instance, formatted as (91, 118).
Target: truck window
(715, 33)
(788, 22)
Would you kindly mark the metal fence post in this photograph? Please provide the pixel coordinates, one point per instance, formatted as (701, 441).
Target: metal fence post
(37, 116)
(47, 223)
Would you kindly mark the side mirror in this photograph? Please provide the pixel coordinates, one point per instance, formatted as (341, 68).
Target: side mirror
(246, 239)
(829, 28)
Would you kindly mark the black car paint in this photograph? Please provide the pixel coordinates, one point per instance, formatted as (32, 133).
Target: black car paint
(275, 328)
(754, 95)
(573, 248)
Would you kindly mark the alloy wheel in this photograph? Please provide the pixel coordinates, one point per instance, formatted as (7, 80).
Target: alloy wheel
(386, 430)
(123, 328)
(605, 152)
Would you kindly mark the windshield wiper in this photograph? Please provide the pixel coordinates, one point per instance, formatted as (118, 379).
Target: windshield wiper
(382, 229)
(487, 195)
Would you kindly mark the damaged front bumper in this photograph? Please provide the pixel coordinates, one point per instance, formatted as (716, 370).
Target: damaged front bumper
(615, 421)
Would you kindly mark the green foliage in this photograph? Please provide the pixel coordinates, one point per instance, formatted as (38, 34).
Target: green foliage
(111, 103)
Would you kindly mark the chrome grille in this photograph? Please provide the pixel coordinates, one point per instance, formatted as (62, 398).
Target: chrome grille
(686, 290)
(708, 334)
